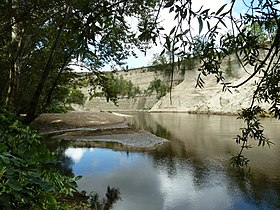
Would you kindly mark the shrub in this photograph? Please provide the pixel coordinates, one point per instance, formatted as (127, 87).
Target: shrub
(159, 87)
(58, 108)
(29, 178)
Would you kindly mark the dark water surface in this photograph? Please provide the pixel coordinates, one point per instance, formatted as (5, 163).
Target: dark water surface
(190, 172)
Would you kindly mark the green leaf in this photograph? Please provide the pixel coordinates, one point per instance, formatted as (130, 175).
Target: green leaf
(172, 31)
(78, 178)
(200, 24)
(205, 12)
(51, 199)
(168, 43)
(221, 21)
(5, 159)
(169, 4)
(15, 185)
(221, 9)
(47, 186)
(162, 52)
(208, 25)
(3, 147)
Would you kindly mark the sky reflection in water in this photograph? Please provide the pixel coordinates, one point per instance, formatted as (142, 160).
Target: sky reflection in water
(168, 179)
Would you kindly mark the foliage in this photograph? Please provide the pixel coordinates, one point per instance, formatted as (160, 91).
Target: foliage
(189, 63)
(161, 63)
(75, 97)
(40, 39)
(63, 97)
(58, 108)
(253, 130)
(259, 32)
(159, 87)
(28, 175)
(114, 87)
(198, 46)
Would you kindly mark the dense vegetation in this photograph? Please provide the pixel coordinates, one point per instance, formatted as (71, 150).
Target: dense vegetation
(161, 63)
(29, 174)
(121, 88)
(62, 100)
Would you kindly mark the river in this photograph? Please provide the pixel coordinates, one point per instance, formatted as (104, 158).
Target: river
(192, 171)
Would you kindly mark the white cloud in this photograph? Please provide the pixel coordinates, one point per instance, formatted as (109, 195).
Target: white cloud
(181, 191)
(75, 154)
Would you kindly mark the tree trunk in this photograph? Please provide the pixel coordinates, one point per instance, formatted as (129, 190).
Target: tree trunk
(47, 101)
(15, 56)
(32, 112)
(11, 86)
(171, 77)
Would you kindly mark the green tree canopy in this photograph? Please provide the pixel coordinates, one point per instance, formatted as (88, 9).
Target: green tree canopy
(40, 38)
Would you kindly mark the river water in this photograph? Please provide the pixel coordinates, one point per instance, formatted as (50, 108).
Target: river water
(192, 171)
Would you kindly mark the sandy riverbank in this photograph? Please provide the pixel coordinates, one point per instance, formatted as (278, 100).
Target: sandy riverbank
(95, 129)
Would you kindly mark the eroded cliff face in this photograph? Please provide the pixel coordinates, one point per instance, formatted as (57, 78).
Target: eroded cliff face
(141, 77)
(212, 98)
(185, 97)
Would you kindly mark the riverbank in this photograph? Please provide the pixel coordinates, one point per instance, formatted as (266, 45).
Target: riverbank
(53, 122)
(96, 129)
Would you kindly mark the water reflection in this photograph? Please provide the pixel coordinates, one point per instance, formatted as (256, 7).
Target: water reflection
(112, 196)
(210, 137)
(191, 172)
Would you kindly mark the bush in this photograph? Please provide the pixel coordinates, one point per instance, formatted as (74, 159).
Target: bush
(159, 87)
(58, 108)
(75, 97)
(29, 178)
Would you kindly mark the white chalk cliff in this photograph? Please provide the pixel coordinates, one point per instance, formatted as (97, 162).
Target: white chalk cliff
(211, 99)
(185, 96)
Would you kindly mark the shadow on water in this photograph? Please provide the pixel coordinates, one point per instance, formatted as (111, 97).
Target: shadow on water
(192, 171)
(64, 163)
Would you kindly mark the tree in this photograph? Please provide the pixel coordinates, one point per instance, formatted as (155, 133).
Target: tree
(245, 38)
(40, 39)
(114, 87)
(159, 87)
